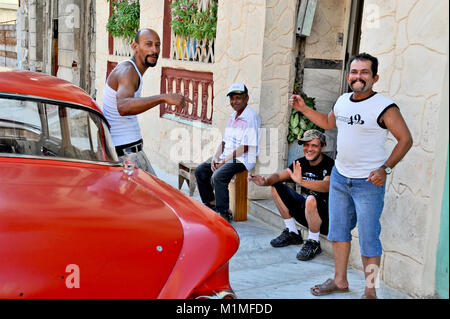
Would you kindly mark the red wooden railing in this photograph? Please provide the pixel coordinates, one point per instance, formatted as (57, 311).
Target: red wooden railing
(198, 86)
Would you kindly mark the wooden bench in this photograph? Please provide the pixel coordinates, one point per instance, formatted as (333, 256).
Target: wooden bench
(237, 188)
(238, 196)
(186, 173)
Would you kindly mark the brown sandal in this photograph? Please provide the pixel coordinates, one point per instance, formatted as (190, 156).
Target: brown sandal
(327, 288)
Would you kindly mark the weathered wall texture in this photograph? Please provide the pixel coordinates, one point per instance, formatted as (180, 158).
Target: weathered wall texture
(410, 38)
(74, 51)
(8, 12)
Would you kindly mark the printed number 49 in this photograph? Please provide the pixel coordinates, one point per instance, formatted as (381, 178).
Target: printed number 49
(355, 119)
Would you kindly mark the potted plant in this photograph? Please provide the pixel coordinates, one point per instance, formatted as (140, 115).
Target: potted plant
(124, 21)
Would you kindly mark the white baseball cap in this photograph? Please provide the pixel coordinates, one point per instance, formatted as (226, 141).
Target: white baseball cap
(237, 88)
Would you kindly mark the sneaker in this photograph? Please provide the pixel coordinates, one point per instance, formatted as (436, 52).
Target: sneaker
(226, 214)
(287, 238)
(310, 249)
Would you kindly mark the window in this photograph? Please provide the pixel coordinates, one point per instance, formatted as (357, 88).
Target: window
(39, 129)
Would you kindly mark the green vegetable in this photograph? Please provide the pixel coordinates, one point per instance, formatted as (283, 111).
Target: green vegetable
(298, 123)
(294, 120)
(303, 124)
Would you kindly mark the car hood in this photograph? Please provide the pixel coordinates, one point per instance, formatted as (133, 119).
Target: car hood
(65, 223)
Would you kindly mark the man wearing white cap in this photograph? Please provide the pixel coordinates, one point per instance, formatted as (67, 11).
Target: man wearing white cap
(236, 153)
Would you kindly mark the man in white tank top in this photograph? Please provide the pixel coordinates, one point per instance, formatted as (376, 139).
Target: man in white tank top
(357, 182)
(122, 99)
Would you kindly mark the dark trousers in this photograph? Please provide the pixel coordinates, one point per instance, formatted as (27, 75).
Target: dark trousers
(214, 185)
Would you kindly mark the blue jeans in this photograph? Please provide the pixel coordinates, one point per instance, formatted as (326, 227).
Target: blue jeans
(353, 200)
(219, 179)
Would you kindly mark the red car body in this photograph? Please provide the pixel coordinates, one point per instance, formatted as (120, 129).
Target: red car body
(76, 228)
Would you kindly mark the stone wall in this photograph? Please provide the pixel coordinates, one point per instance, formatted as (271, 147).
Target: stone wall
(410, 39)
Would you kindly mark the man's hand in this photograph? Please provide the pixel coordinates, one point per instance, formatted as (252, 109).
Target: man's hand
(377, 177)
(180, 101)
(297, 103)
(216, 164)
(213, 164)
(257, 179)
(296, 175)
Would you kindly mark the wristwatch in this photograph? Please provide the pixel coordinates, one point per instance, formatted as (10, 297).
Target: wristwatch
(388, 170)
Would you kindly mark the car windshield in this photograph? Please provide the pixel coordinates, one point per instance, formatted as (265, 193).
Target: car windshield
(41, 129)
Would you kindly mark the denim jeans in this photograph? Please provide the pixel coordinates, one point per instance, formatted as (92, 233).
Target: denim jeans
(352, 201)
(214, 185)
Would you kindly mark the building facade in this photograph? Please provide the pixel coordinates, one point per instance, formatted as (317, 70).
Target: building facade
(264, 44)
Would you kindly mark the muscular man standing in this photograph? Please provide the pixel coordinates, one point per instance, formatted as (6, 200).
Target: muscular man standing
(122, 99)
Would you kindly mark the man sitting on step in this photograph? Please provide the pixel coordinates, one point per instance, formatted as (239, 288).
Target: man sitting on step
(310, 208)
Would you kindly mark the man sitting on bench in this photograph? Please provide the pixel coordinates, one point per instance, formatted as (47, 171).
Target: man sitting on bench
(310, 208)
(236, 153)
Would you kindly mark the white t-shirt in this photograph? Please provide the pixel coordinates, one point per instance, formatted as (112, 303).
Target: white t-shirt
(124, 129)
(243, 130)
(360, 139)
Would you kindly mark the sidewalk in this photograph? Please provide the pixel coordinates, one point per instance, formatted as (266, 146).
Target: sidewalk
(259, 271)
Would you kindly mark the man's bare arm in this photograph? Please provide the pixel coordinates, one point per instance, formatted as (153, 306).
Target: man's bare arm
(127, 104)
(270, 180)
(394, 122)
(325, 121)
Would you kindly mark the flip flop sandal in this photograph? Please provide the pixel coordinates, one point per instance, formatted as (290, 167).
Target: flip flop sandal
(327, 288)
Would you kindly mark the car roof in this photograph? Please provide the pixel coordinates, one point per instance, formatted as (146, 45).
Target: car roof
(43, 85)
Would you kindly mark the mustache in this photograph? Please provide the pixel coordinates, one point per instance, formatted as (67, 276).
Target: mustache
(155, 56)
(362, 81)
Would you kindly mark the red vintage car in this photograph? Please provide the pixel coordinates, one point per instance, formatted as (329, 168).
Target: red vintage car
(77, 223)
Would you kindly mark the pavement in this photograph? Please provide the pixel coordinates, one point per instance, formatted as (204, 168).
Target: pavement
(259, 271)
